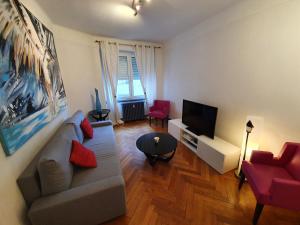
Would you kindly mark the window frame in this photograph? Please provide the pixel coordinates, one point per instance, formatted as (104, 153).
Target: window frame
(129, 55)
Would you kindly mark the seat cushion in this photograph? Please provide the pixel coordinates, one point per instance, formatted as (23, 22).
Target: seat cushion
(102, 136)
(260, 179)
(107, 167)
(104, 146)
(82, 156)
(157, 114)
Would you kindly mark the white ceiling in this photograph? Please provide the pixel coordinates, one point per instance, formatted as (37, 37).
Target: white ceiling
(158, 21)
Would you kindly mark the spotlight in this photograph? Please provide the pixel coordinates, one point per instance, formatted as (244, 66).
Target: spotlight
(138, 4)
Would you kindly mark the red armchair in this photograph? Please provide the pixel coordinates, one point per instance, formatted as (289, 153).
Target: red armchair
(274, 180)
(159, 110)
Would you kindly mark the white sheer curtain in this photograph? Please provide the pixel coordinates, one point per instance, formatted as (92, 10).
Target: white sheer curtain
(145, 58)
(110, 59)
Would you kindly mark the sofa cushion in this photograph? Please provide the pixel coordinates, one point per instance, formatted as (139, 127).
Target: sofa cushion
(82, 156)
(76, 120)
(106, 152)
(158, 114)
(29, 182)
(94, 203)
(107, 167)
(87, 129)
(55, 170)
(102, 136)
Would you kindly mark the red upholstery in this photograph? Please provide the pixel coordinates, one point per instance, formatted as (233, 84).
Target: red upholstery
(160, 109)
(87, 129)
(275, 181)
(294, 165)
(82, 156)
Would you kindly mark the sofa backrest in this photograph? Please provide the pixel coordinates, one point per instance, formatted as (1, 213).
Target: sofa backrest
(294, 165)
(76, 120)
(162, 105)
(29, 181)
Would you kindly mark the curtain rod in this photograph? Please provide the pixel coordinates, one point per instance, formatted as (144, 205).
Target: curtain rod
(114, 42)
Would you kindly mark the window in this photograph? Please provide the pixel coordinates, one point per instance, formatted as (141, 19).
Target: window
(129, 83)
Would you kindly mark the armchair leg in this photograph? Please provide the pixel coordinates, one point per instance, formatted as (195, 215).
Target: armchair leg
(162, 123)
(258, 209)
(242, 180)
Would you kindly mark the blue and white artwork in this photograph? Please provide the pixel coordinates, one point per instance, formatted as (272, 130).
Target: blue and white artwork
(31, 88)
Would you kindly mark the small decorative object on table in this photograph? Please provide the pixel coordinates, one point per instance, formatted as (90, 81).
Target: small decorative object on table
(156, 140)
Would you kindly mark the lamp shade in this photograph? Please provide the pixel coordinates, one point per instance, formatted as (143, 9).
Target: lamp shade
(249, 126)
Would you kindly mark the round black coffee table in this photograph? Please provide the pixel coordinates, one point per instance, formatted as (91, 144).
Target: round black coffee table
(163, 150)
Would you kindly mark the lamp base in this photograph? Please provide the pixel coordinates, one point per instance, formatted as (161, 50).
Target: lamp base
(237, 174)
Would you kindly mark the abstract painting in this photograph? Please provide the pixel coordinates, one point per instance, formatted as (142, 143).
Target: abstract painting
(31, 87)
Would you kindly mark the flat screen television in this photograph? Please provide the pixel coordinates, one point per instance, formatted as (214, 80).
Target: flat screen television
(200, 118)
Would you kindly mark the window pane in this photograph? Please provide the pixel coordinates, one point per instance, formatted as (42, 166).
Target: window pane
(137, 88)
(123, 68)
(136, 75)
(123, 88)
(123, 78)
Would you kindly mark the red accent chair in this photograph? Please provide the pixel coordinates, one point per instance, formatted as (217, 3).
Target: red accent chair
(274, 180)
(159, 110)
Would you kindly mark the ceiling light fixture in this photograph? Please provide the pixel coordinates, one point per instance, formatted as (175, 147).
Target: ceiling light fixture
(137, 5)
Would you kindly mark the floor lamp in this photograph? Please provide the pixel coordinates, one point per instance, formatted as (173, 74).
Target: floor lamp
(249, 128)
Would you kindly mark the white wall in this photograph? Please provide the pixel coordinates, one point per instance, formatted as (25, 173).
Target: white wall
(245, 61)
(79, 59)
(12, 206)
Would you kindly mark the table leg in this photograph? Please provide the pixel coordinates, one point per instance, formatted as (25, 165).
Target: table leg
(97, 118)
(167, 158)
(152, 159)
(104, 117)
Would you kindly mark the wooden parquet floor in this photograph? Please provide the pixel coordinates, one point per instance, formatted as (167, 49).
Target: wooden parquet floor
(185, 191)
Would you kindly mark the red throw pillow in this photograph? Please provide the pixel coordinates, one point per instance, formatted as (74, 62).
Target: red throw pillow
(87, 129)
(81, 156)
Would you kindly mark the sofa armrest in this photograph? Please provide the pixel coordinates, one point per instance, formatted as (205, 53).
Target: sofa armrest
(101, 123)
(285, 193)
(262, 157)
(82, 204)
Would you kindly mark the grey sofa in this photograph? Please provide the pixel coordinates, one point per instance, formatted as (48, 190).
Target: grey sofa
(57, 193)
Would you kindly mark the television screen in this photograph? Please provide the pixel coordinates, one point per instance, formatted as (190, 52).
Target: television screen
(200, 119)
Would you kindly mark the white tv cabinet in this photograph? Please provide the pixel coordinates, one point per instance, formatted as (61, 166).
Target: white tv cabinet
(219, 154)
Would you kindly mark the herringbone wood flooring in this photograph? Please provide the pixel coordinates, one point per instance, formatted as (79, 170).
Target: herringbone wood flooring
(185, 191)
